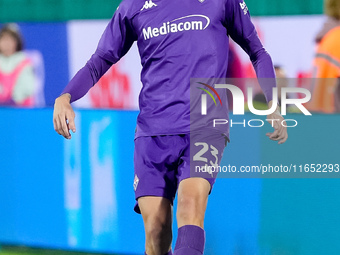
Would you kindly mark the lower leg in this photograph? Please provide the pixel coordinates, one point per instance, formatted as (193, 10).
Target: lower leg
(157, 217)
(190, 240)
(169, 253)
(192, 201)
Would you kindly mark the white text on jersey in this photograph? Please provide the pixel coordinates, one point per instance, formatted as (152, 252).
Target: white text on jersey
(174, 26)
(244, 7)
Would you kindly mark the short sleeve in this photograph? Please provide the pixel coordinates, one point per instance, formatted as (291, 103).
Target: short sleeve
(118, 36)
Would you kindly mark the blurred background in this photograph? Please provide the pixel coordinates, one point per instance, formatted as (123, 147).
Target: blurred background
(62, 197)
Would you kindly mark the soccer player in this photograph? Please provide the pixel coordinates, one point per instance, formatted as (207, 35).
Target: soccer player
(177, 40)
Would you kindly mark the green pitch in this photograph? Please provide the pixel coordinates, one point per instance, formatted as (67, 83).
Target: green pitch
(11, 250)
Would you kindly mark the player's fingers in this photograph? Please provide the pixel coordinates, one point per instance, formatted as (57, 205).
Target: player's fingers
(283, 136)
(275, 138)
(55, 121)
(280, 125)
(276, 125)
(271, 134)
(64, 129)
(284, 139)
(277, 135)
(71, 128)
(274, 134)
(272, 137)
(57, 125)
(279, 138)
(71, 125)
(281, 131)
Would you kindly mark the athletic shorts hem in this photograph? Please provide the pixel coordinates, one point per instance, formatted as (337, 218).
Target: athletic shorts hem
(137, 209)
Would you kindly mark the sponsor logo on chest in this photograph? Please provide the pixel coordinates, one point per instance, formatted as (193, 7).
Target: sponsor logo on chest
(182, 24)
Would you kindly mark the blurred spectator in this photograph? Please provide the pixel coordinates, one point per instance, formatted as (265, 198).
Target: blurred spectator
(332, 10)
(17, 79)
(326, 92)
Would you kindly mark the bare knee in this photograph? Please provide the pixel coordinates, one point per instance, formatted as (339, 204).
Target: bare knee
(192, 202)
(158, 234)
(190, 211)
(157, 229)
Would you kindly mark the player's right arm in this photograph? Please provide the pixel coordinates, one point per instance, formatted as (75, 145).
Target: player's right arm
(115, 42)
(63, 116)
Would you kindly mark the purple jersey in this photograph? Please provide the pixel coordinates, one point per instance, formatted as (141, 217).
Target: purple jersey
(177, 40)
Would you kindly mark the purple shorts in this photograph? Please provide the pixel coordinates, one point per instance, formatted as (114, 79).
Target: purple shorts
(162, 162)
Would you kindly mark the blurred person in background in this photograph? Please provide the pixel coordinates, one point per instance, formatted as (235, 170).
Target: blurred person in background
(17, 80)
(326, 92)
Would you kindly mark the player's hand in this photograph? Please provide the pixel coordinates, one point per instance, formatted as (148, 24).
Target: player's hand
(280, 132)
(63, 116)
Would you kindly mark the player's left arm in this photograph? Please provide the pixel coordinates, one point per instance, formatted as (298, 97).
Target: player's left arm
(280, 133)
(243, 32)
